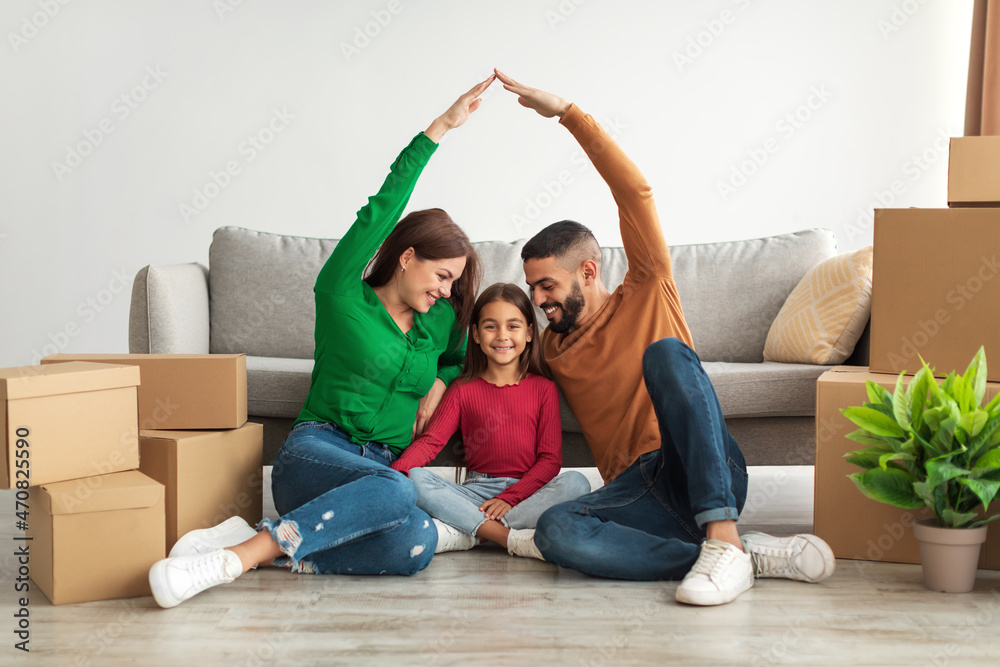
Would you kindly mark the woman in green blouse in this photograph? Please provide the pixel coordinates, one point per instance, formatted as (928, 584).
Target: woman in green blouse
(387, 346)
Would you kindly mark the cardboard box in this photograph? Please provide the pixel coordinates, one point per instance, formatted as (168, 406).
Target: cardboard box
(183, 391)
(974, 171)
(67, 421)
(95, 538)
(853, 525)
(209, 475)
(935, 289)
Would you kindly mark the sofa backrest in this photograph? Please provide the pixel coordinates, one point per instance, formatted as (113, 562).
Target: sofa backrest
(261, 288)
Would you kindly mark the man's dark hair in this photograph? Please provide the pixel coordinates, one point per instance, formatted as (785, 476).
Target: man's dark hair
(568, 241)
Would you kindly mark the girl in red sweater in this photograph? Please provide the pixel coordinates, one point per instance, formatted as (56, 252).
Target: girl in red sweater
(507, 407)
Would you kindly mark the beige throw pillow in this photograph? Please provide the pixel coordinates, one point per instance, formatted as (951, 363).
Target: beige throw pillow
(825, 314)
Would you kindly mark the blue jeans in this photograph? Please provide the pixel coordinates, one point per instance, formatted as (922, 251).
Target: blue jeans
(458, 504)
(343, 509)
(648, 523)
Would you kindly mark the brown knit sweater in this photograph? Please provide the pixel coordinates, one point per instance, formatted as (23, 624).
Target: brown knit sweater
(599, 366)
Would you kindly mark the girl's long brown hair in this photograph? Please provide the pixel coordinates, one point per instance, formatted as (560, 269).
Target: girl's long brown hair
(433, 235)
(531, 360)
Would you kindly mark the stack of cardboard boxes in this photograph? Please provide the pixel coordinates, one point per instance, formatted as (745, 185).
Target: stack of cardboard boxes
(936, 295)
(116, 456)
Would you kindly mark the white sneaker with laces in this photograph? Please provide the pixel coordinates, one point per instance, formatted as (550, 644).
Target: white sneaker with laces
(452, 539)
(521, 542)
(174, 580)
(720, 575)
(800, 557)
(229, 533)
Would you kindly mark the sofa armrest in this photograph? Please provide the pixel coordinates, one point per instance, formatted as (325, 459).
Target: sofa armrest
(169, 311)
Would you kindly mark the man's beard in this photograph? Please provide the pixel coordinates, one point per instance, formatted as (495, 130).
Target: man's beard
(571, 310)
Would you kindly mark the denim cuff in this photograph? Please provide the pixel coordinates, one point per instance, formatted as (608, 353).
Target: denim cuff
(719, 514)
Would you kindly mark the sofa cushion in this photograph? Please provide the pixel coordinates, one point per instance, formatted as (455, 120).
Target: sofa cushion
(825, 314)
(731, 292)
(277, 387)
(261, 288)
(766, 389)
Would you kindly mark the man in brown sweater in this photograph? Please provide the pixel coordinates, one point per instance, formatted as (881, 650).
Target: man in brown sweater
(675, 480)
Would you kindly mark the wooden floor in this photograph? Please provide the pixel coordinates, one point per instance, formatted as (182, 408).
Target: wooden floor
(483, 607)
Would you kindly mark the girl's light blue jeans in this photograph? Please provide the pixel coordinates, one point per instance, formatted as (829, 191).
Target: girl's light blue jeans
(343, 509)
(458, 504)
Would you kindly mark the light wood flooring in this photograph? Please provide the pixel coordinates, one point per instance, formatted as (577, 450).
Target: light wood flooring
(484, 607)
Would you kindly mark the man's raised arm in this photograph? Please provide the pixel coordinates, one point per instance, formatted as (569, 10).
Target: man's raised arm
(642, 236)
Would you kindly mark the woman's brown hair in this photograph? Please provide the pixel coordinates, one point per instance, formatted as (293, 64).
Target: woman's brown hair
(433, 235)
(531, 360)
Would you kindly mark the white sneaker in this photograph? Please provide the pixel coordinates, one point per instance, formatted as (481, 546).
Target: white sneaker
(174, 580)
(452, 539)
(229, 533)
(720, 575)
(522, 543)
(800, 557)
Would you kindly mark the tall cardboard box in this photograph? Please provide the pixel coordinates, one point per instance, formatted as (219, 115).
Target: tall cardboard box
(935, 289)
(209, 475)
(974, 171)
(67, 421)
(853, 525)
(183, 391)
(95, 538)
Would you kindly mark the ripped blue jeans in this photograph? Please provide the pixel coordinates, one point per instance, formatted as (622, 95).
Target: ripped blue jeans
(343, 509)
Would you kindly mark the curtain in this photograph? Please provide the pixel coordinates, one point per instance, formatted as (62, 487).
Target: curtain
(982, 101)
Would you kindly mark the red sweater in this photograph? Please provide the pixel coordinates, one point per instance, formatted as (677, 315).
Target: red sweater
(509, 431)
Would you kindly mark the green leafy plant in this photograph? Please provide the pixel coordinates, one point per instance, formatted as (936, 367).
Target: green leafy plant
(930, 445)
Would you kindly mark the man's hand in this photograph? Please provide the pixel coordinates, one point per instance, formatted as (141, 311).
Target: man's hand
(494, 508)
(428, 404)
(458, 112)
(546, 104)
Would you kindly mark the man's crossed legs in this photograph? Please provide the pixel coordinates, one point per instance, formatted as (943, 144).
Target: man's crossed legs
(649, 523)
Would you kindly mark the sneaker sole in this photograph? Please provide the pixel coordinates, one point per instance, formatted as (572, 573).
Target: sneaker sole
(709, 599)
(157, 574)
(826, 553)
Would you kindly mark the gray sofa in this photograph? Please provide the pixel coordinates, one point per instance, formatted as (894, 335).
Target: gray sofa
(257, 298)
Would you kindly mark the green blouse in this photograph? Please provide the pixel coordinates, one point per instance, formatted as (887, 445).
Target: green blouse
(369, 376)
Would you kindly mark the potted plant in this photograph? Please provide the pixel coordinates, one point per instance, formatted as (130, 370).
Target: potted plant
(934, 445)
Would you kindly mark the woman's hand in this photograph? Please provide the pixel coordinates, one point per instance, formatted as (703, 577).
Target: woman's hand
(494, 508)
(546, 104)
(459, 112)
(428, 404)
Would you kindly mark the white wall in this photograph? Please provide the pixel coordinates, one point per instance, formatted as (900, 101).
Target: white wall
(891, 74)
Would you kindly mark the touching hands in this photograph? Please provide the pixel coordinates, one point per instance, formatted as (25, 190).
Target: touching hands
(546, 104)
(494, 508)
